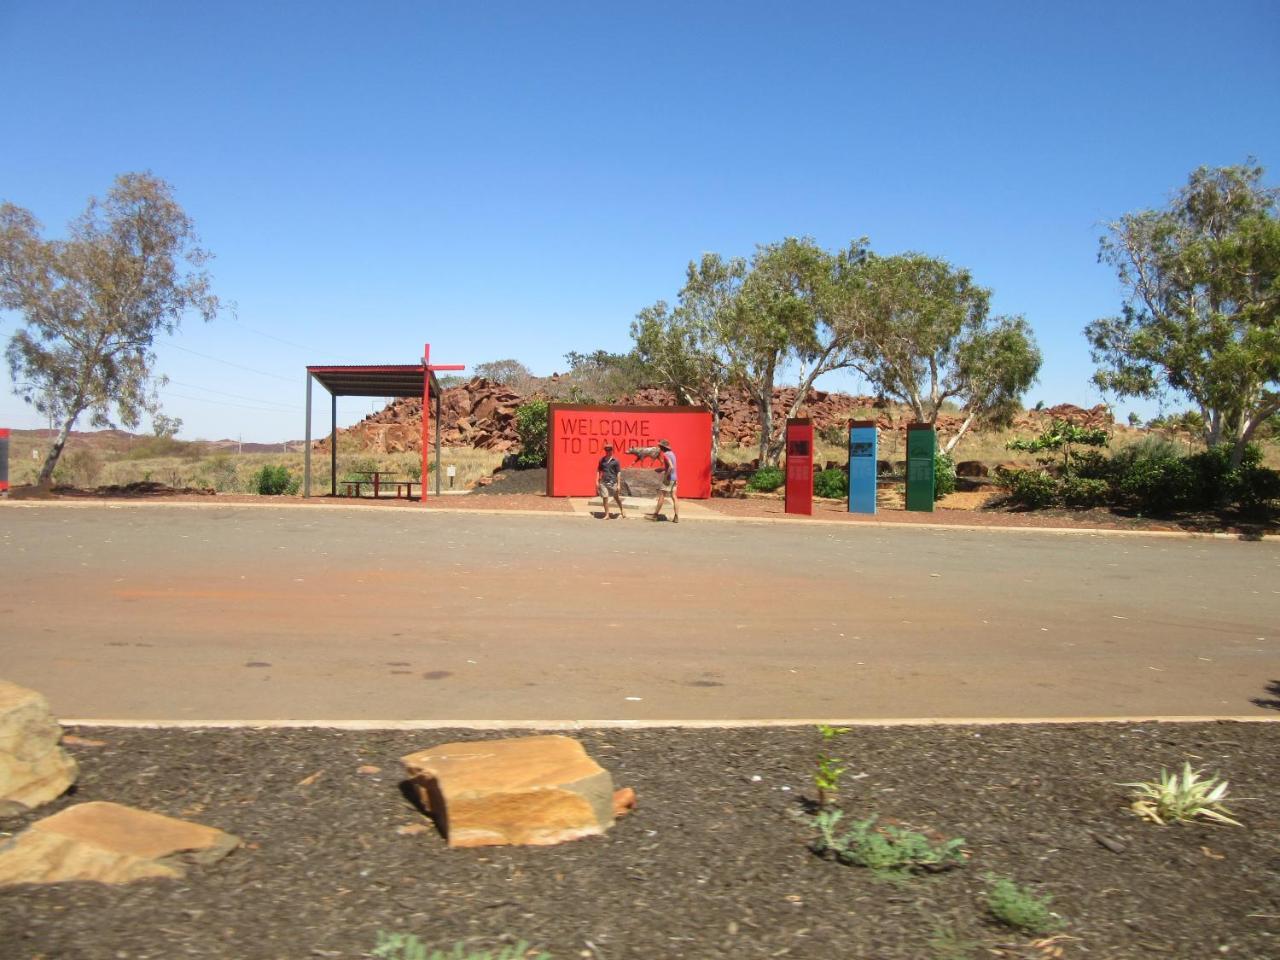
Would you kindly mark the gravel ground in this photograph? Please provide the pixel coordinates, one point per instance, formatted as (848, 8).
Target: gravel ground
(712, 864)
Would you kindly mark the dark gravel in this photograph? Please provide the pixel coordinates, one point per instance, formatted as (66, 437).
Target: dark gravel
(712, 864)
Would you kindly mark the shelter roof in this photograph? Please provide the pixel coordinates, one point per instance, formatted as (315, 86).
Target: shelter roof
(374, 380)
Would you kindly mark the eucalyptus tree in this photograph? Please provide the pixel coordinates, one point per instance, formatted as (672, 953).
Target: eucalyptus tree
(93, 304)
(925, 336)
(1201, 315)
(685, 348)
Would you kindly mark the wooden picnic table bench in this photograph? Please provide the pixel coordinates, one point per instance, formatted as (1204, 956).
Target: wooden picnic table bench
(379, 479)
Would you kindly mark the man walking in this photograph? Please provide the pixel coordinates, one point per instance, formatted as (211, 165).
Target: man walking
(668, 487)
(607, 481)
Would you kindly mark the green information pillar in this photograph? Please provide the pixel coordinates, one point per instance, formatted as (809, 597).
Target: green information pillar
(922, 447)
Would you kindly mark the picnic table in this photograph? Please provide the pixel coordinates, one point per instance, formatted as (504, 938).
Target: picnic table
(378, 479)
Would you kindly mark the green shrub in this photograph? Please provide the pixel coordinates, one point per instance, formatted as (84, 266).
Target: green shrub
(1157, 483)
(831, 483)
(944, 475)
(531, 425)
(766, 479)
(1029, 488)
(274, 481)
(884, 848)
(1257, 487)
(1077, 491)
(1018, 907)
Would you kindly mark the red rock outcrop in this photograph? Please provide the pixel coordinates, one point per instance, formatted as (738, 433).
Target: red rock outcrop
(482, 414)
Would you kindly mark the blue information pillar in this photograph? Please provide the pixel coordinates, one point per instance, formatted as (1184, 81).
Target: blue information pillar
(862, 466)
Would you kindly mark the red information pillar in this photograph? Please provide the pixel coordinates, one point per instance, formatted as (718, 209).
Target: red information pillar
(799, 497)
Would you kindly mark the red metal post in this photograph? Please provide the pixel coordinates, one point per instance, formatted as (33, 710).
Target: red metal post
(426, 413)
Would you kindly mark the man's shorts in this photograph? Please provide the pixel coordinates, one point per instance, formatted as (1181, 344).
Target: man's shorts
(669, 487)
(605, 491)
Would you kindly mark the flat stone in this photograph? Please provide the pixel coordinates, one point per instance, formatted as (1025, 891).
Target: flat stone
(109, 843)
(525, 791)
(34, 769)
(638, 482)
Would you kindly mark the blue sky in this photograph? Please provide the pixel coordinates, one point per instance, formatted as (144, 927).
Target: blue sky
(518, 180)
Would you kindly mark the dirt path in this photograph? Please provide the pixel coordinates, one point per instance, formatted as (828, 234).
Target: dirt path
(273, 614)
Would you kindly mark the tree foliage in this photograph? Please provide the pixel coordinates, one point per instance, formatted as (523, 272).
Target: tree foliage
(1202, 295)
(685, 348)
(925, 337)
(916, 327)
(93, 304)
(509, 373)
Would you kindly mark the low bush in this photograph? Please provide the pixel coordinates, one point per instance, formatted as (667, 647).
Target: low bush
(944, 475)
(766, 479)
(531, 425)
(1076, 491)
(1029, 488)
(884, 848)
(831, 483)
(275, 481)
(1019, 907)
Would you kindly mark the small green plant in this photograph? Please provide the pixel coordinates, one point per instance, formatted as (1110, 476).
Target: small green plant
(831, 483)
(1018, 907)
(531, 425)
(407, 946)
(884, 848)
(944, 475)
(766, 479)
(1180, 798)
(1064, 437)
(274, 481)
(830, 769)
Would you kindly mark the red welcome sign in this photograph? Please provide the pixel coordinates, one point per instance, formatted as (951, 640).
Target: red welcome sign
(576, 435)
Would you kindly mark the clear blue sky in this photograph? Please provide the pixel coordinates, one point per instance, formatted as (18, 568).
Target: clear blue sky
(517, 180)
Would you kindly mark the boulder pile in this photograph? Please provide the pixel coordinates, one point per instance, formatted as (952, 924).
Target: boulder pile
(481, 414)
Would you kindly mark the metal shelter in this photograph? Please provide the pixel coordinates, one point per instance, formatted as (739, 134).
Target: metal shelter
(376, 380)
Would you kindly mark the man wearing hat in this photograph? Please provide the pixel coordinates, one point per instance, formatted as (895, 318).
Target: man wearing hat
(668, 488)
(607, 481)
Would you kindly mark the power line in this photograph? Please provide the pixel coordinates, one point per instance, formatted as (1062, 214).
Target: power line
(238, 396)
(228, 363)
(269, 336)
(224, 403)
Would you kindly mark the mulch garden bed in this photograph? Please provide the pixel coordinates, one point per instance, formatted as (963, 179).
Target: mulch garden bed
(713, 862)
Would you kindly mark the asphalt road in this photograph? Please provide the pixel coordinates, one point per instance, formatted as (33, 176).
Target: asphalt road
(250, 613)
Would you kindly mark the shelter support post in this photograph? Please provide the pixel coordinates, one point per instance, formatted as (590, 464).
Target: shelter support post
(426, 416)
(306, 454)
(333, 445)
(439, 410)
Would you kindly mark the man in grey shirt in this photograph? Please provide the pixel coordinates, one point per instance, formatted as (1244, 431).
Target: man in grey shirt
(607, 481)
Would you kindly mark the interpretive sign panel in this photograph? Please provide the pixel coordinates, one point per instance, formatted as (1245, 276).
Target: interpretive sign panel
(862, 466)
(576, 435)
(799, 496)
(922, 446)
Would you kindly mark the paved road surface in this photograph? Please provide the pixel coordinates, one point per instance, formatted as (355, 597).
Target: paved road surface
(191, 613)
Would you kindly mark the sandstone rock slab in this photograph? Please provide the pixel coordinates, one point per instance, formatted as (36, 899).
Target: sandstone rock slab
(34, 769)
(525, 790)
(109, 843)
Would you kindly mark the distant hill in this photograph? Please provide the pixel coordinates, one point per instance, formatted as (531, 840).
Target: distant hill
(120, 441)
